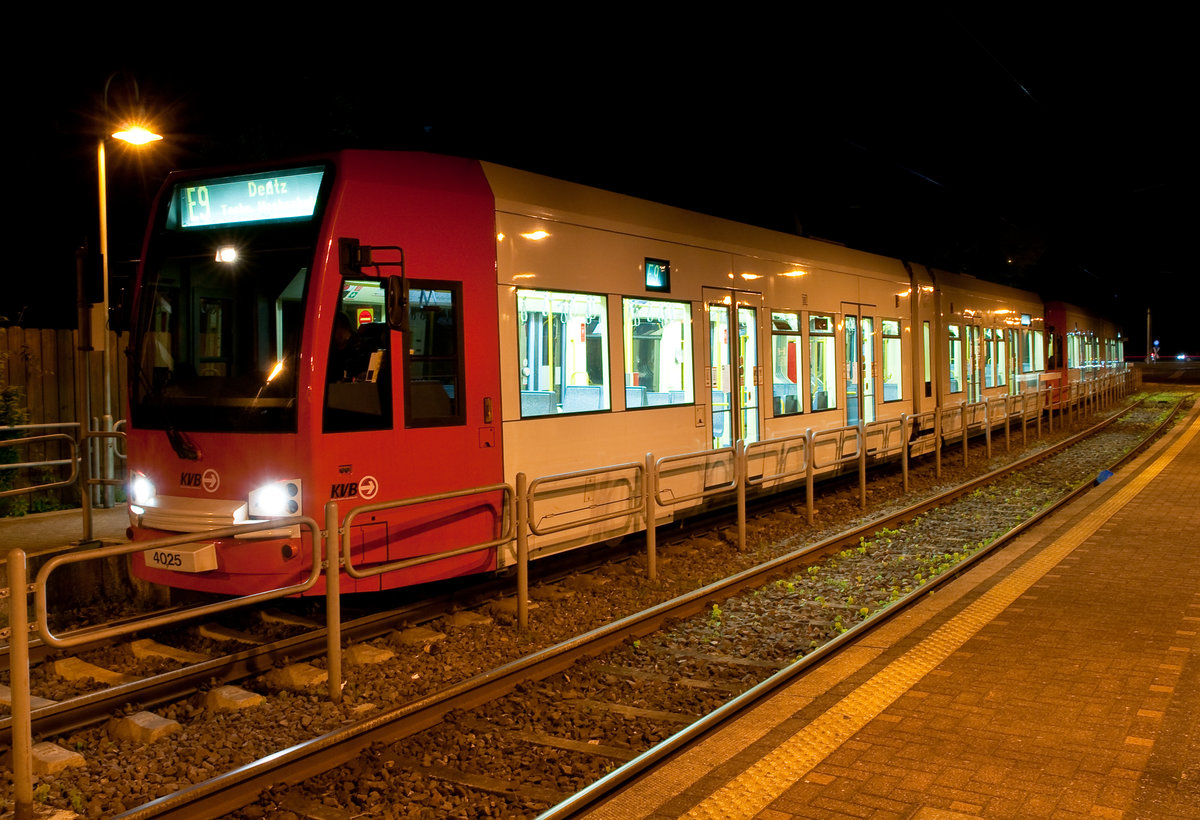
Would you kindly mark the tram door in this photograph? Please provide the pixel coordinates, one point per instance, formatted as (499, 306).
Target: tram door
(974, 389)
(1014, 385)
(859, 333)
(733, 372)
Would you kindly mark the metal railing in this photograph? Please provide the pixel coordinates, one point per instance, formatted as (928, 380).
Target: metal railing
(20, 626)
(518, 513)
(41, 438)
(92, 468)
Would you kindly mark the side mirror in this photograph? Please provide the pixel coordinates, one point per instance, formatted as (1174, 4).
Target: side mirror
(397, 303)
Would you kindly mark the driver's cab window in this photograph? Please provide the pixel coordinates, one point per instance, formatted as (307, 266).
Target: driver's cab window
(358, 393)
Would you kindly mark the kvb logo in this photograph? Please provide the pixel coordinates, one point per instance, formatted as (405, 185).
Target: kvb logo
(366, 488)
(346, 489)
(208, 481)
(211, 481)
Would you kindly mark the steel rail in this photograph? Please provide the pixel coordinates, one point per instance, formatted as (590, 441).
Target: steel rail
(231, 790)
(593, 795)
(88, 709)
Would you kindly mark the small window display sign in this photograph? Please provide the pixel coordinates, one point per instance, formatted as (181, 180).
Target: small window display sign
(658, 275)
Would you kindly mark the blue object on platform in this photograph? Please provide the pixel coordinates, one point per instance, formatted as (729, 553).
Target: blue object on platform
(1104, 476)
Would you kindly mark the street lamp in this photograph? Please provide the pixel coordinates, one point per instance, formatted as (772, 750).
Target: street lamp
(96, 337)
(134, 135)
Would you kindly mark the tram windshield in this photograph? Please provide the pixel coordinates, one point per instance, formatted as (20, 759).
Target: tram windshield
(220, 307)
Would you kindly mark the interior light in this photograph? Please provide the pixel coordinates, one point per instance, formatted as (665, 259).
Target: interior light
(227, 254)
(275, 371)
(535, 235)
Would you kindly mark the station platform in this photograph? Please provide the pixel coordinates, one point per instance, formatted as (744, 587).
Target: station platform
(1059, 678)
(50, 531)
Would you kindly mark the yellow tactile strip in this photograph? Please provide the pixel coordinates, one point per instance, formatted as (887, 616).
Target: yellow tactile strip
(766, 780)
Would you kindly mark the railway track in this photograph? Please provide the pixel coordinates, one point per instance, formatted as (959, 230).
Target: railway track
(709, 672)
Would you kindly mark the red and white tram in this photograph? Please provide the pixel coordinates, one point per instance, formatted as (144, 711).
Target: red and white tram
(548, 328)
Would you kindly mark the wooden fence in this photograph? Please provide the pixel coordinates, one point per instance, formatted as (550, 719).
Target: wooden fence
(41, 363)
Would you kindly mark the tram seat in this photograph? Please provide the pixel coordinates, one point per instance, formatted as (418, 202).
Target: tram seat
(675, 396)
(891, 392)
(820, 400)
(635, 396)
(537, 402)
(581, 398)
(654, 399)
(719, 423)
(787, 399)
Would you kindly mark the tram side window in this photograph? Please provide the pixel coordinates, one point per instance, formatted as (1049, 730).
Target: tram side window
(956, 358)
(989, 358)
(1001, 359)
(1032, 354)
(892, 361)
(822, 362)
(658, 353)
(786, 345)
(563, 348)
(925, 334)
(358, 393)
(433, 360)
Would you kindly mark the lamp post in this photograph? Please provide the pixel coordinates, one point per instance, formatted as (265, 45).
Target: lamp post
(97, 336)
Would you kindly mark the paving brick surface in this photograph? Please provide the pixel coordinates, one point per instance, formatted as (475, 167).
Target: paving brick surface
(1078, 699)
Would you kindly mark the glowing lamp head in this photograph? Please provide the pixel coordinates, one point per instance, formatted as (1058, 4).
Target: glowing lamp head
(279, 499)
(136, 135)
(141, 489)
(227, 254)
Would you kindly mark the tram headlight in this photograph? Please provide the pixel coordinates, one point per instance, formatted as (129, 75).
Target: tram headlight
(279, 499)
(141, 489)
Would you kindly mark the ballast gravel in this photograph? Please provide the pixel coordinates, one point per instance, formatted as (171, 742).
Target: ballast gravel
(775, 625)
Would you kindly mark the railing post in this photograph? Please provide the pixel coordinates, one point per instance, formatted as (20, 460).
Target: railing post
(1007, 423)
(108, 459)
(1024, 420)
(651, 536)
(333, 601)
(18, 653)
(740, 470)
(809, 455)
(963, 407)
(862, 464)
(905, 423)
(937, 441)
(987, 429)
(1039, 412)
(522, 489)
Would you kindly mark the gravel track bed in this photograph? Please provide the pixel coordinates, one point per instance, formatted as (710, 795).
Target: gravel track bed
(775, 624)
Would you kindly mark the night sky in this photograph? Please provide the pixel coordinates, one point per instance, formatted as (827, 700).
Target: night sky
(1047, 153)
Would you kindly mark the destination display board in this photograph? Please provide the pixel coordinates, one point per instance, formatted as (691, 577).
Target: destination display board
(246, 198)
